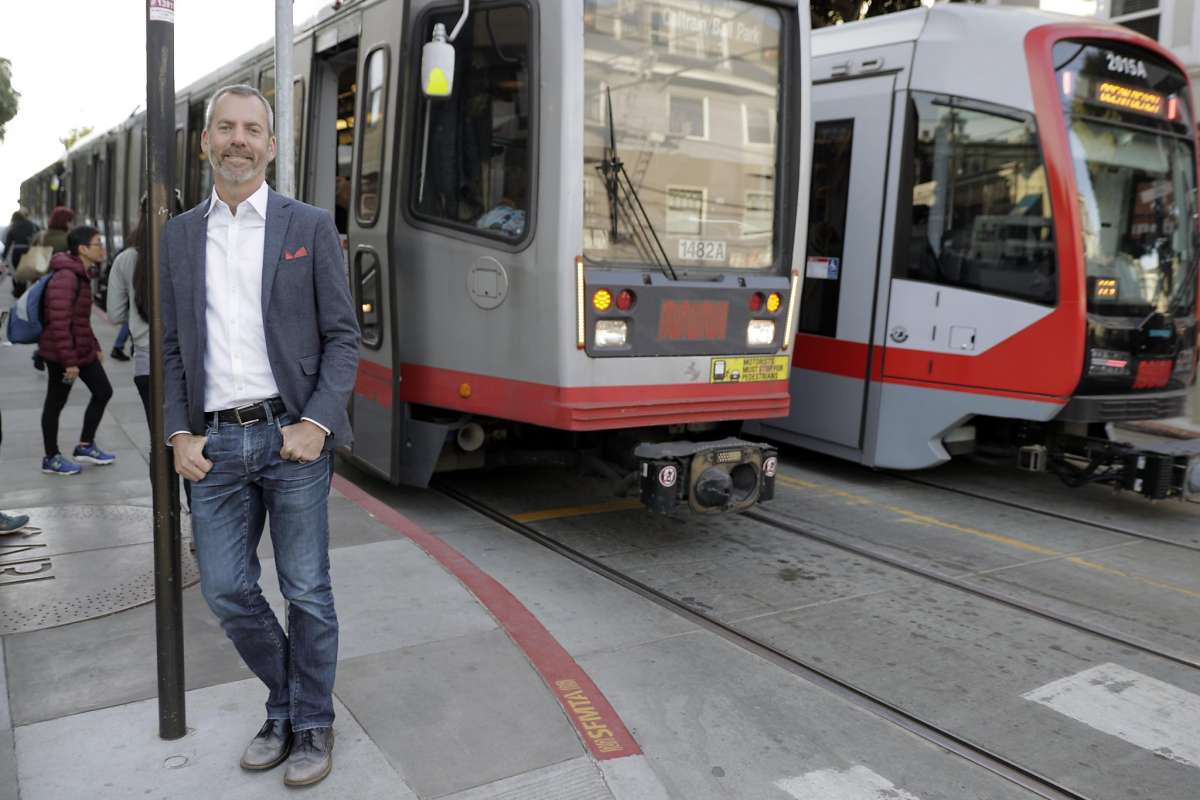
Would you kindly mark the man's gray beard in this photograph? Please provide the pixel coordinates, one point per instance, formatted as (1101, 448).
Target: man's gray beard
(232, 176)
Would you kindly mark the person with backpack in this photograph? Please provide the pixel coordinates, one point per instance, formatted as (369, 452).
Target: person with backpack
(17, 239)
(71, 350)
(54, 237)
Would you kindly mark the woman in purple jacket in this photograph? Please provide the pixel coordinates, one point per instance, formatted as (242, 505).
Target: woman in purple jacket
(70, 350)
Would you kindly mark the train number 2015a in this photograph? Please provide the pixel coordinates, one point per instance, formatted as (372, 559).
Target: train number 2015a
(1126, 65)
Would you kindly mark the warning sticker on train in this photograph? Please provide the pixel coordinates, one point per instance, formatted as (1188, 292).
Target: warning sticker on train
(667, 476)
(748, 369)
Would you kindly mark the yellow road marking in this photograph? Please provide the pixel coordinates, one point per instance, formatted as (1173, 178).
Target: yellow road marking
(913, 517)
(578, 511)
(934, 522)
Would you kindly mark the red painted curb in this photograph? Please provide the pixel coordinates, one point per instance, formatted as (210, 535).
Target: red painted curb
(597, 723)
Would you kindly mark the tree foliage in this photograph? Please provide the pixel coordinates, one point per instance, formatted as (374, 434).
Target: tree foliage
(836, 12)
(75, 135)
(9, 97)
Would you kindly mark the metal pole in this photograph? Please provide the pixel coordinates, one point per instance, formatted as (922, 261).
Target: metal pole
(285, 156)
(168, 587)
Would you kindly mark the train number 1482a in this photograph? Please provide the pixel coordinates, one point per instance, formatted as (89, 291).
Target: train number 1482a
(702, 250)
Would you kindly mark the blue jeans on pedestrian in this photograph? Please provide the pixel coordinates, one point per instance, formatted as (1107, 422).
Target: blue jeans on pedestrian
(122, 337)
(249, 483)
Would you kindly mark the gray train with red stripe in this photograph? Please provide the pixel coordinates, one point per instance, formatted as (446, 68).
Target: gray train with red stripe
(1002, 246)
(585, 246)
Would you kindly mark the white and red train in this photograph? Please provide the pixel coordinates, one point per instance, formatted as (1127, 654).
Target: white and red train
(588, 244)
(1002, 245)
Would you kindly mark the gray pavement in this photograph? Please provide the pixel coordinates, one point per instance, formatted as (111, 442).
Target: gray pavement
(965, 663)
(435, 698)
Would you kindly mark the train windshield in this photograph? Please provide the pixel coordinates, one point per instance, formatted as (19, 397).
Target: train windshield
(1137, 197)
(681, 133)
(1130, 127)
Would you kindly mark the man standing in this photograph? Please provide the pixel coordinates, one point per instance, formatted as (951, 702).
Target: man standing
(260, 350)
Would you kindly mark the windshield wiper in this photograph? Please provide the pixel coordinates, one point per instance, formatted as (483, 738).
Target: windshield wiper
(622, 194)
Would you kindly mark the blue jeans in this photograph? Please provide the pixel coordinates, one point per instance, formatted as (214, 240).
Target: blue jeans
(250, 482)
(122, 337)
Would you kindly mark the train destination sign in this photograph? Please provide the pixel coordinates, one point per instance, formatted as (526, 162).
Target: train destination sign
(1125, 79)
(1129, 98)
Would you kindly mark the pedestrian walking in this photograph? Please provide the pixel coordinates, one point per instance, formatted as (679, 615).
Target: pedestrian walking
(70, 350)
(17, 238)
(260, 351)
(128, 303)
(54, 237)
(57, 227)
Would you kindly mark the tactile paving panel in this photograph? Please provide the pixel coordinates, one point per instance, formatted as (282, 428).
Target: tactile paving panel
(79, 562)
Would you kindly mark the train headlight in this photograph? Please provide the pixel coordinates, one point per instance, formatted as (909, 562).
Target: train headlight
(611, 332)
(760, 332)
(1110, 363)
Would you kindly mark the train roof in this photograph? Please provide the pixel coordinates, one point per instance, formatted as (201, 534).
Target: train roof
(941, 22)
(952, 48)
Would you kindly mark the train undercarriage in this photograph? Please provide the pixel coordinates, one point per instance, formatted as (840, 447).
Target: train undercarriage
(1081, 454)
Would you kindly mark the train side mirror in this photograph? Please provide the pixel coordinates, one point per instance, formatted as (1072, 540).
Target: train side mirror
(437, 65)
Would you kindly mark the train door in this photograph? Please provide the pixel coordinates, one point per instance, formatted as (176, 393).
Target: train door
(367, 205)
(331, 130)
(465, 209)
(834, 354)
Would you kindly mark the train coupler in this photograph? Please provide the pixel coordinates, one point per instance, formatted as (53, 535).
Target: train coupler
(1158, 472)
(712, 477)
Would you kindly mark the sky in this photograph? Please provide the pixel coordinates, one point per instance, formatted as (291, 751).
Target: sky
(83, 62)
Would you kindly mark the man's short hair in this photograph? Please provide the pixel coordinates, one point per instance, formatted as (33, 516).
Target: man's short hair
(80, 236)
(244, 90)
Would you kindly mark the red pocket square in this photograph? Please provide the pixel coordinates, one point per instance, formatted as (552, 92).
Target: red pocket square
(301, 252)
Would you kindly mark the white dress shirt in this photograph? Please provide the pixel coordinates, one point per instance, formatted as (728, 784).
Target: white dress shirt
(236, 364)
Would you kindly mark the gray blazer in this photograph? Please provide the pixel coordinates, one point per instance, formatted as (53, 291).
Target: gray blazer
(308, 316)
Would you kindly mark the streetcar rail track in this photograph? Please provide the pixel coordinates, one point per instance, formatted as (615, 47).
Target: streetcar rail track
(1024, 777)
(1149, 537)
(805, 530)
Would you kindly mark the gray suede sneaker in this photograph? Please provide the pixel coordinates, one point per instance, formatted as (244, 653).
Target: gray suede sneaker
(270, 746)
(312, 757)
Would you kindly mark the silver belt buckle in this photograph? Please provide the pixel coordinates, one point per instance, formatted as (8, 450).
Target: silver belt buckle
(237, 412)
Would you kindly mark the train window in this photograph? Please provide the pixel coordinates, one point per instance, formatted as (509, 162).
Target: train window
(829, 194)
(980, 216)
(475, 173)
(370, 162)
(695, 103)
(366, 269)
